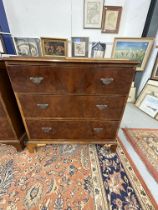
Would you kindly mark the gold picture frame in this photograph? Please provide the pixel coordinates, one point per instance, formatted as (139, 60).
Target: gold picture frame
(155, 69)
(55, 47)
(137, 49)
(111, 19)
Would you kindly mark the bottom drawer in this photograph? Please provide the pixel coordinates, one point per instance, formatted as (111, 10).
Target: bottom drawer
(6, 131)
(49, 129)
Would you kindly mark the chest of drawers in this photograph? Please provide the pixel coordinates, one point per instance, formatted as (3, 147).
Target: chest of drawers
(11, 127)
(71, 100)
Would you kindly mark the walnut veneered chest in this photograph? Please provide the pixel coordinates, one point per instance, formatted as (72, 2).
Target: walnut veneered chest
(11, 126)
(70, 100)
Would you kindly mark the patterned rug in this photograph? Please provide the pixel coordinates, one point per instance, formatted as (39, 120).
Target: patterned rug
(69, 177)
(145, 143)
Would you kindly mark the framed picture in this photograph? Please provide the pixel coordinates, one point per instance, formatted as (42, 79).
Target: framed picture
(137, 49)
(98, 50)
(155, 69)
(144, 100)
(80, 46)
(111, 19)
(149, 105)
(2, 47)
(55, 47)
(93, 13)
(27, 46)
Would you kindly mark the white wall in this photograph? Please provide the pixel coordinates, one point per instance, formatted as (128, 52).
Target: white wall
(64, 18)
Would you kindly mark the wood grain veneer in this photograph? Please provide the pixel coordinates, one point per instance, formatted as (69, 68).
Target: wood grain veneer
(70, 100)
(12, 130)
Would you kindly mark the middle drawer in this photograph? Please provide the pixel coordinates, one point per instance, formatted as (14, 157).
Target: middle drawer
(51, 106)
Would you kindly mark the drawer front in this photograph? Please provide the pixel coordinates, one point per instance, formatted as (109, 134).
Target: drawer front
(49, 106)
(74, 79)
(2, 112)
(72, 129)
(6, 131)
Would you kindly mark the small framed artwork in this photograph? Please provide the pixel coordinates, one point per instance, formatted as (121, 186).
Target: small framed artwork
(111, 19)
(93, 13)
(54, 47)
(137, 49)
(2, 47)
(155, 69)
(98, 50)
(80, 46)
(148, 99)
(27, 46)
(150, 105)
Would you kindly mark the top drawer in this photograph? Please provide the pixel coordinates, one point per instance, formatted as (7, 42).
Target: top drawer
(74, 79)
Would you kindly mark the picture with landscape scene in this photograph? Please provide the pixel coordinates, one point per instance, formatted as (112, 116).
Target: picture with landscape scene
(137, 50)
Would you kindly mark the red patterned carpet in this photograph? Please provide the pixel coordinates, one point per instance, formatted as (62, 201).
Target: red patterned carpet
(69, 177)
(145, 143)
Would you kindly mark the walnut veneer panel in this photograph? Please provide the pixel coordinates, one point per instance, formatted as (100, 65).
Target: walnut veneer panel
(52, 106)
(70, 100)
(12, 130)
(50, 129)
(6, 131)
(2, 112)
(73, 79)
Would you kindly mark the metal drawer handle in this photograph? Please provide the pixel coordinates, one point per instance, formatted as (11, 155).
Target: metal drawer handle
(42, 106)
(97, 130)
(106, 81)
(102, 106)
(46, 129)
(36, 80)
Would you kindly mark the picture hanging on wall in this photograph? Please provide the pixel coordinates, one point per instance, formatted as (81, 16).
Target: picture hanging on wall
(80, 46)
(155, 69)
(93, 13)
(137, 49)
(98, 50)
(111, 19)
(56, 47)
(2, 47)
(27, 46)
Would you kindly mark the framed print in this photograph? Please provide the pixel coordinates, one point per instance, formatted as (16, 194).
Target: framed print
(55, 47)
(93, 13)
(27, 46)
(98, 50)
(2, 47)
(149, 105)
(80, 46)
(137, 49)
(155, 69)
(111, 19)
(150, 89)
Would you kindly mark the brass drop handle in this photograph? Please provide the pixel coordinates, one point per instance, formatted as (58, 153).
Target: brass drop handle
(106, 81)
(36, 80)
(102, 106)
(42, 106)
(46, 129)
(97, 130)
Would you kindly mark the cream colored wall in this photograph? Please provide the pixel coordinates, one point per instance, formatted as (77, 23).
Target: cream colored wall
(64, 18)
